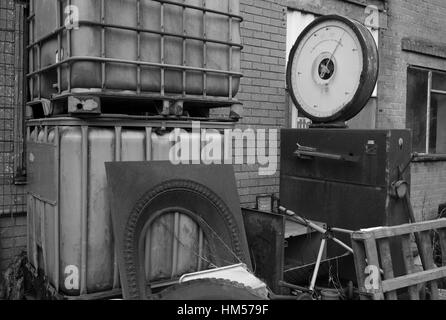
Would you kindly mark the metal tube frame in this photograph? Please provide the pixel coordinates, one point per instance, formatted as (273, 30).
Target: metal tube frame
(428, 111)
(118, 157)
(326, 236)
(151, 64)
(69, 59)
(318, 264)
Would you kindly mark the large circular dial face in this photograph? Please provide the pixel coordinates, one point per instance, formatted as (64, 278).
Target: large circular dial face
(326, 66)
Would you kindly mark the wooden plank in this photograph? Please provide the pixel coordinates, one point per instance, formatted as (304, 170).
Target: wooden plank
(386, 264)
(175, 244)
(423, 249)
(188, 247)
(200, 249)
(409, 264)
(161, 252)
(147, 255)
(209, 257)
(413, 279)
(387, 232)
(426, 253)
(373, 260)
(360, 265)
(442, 238)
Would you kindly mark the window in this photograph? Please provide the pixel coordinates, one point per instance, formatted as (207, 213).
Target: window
(426, 110)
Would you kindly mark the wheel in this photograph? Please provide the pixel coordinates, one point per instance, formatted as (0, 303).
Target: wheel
(208, 289)
(166, 207)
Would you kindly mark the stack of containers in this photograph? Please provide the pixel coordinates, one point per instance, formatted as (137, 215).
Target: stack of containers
(135, 58)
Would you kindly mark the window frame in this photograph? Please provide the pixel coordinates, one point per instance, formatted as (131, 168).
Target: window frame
(427, 155)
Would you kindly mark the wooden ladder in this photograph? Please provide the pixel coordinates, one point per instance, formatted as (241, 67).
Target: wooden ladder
(373, 252)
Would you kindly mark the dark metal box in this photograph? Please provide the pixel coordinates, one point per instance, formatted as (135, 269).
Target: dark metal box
(343, 177)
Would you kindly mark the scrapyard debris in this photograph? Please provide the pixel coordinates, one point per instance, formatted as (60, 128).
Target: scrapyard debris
(12, 282)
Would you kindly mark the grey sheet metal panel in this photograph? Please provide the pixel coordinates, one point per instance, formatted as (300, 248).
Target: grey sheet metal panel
(213, 43)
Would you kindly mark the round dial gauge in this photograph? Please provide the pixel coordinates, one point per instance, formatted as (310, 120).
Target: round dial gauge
(332, 69)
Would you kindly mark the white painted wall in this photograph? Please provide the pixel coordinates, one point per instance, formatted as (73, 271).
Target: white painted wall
(296, 23)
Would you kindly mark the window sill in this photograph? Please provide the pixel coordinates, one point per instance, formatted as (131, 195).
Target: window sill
(429, 158)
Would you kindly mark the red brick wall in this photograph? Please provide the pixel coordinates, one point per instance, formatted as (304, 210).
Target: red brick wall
(428, 188)
(12, 200)
(262, 89)
(410, 18)
(425, 20)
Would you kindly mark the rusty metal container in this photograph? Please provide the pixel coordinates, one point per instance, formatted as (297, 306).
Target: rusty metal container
(343, 178)
(185, 50)
(70, 235)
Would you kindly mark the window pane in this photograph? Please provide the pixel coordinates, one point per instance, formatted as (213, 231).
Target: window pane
(417, 82)
(439, 81)
(437, 133)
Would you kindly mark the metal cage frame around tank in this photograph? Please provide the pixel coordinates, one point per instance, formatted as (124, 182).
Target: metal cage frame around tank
(36, 71)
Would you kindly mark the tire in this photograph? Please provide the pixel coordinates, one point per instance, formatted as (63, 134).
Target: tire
(304, 297)
(208, 289)
(202, 205)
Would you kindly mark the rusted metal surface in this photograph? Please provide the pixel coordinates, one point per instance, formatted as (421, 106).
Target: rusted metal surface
(345, 194)
(265, 233)
(142, 192)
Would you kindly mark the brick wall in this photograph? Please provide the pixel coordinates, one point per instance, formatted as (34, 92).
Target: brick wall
(425, 20)
(428, 188)
(12, 200)
(410, 18)
(263, 86)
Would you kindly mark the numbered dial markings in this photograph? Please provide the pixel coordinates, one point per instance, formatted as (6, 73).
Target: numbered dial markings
(326, 68)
